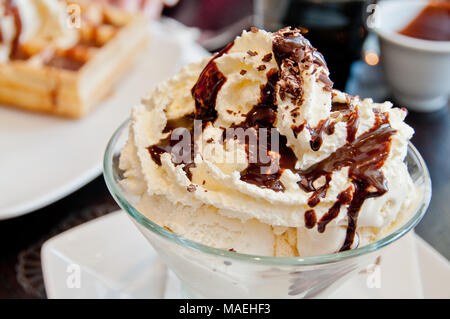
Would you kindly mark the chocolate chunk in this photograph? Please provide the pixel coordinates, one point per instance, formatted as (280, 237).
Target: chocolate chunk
(252, 53)
(261, 67)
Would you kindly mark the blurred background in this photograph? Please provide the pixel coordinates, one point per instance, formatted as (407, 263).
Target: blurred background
(337, 28)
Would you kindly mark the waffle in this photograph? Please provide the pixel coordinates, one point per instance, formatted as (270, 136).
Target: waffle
(70, 82)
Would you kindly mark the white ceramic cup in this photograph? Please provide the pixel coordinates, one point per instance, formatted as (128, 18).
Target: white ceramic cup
(417, 71)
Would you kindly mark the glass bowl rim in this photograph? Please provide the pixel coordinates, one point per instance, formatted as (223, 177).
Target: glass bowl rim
(262, 260)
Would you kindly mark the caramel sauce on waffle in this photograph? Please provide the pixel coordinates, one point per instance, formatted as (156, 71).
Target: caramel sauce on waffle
(16, 51)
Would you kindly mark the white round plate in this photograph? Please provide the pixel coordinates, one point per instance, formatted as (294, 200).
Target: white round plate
(45, 158)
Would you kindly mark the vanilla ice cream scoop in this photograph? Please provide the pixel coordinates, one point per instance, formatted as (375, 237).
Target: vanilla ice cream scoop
(253, 151)
(25, 21)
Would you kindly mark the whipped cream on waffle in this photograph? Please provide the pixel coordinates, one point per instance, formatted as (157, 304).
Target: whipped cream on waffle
(25, 21)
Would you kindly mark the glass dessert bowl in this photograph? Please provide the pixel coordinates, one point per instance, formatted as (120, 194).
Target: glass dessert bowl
(207, 272)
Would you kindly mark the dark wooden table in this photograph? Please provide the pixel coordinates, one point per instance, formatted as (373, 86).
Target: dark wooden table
(20, 238)
(432, 139)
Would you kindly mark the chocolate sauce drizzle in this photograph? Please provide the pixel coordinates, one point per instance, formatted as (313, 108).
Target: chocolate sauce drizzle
(207, 87)
(204, 93)
(352, 125)
(263, 115)
(317, 133)
(310, 218)
(166, 145)
(364, 157)
(342, 199)
(324, 126)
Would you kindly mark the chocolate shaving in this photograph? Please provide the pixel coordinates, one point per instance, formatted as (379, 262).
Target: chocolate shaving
(267, 57)
(191, 188)
(291, 82)
(340, 106)
(330, 128)
(326, 80)
(291, 44)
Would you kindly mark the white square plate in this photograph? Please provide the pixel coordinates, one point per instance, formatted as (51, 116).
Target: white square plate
(108, 258)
